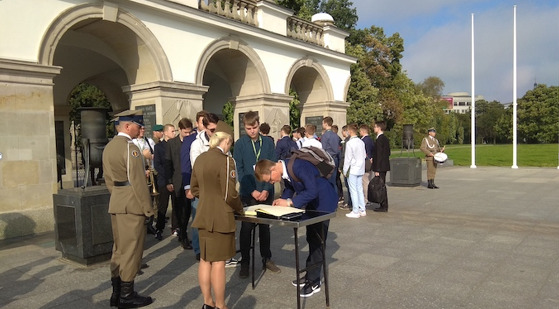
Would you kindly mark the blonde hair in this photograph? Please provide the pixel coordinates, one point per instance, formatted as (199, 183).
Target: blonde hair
(219, 137)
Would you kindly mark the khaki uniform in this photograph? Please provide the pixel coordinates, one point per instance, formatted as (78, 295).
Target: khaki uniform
(213, 182)
(430, 145)
(129, 205)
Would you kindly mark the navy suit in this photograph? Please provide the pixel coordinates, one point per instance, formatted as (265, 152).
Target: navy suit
(284, 147)
(313, 192)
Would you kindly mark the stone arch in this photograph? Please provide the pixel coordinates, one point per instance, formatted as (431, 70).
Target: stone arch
(311, 81)
(257, 70)
(81, 14)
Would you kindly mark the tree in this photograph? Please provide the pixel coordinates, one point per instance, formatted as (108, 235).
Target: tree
(432, 87)
(228, 112)
(487, 117)
(538, 114)
(294, 110)
(345, 16)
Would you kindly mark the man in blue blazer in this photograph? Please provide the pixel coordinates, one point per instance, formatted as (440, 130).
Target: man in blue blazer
(285, 144)
(312, 192)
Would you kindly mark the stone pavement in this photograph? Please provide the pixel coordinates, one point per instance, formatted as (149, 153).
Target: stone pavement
(489, 238)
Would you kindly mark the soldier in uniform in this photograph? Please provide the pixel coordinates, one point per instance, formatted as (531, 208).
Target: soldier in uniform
(130, 205)
(430, 146)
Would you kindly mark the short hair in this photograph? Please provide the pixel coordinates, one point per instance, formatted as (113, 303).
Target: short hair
(364, 127)
(201, 113)
(167, 126)
(310, 129)
(353, 127)
(344, 128)
(262, 168)
(335, 128)
(381, 124)
(328, 120)
(210, 118)
(219, 137)
(301, 131)
(286, 129)
(251, 118)
(265, 128)
(185, 123)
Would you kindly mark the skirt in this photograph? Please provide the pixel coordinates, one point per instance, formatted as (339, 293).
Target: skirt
(215, 246)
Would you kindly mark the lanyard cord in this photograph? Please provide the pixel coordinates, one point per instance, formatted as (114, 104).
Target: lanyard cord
(257, 154)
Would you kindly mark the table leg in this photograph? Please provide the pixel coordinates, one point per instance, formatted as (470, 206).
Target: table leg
(325, 268)
(297, 267)
(252, 245)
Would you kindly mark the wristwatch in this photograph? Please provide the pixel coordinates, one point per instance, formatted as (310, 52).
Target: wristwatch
(289, 202)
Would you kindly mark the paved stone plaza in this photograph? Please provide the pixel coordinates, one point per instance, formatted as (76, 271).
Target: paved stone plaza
(489, 238)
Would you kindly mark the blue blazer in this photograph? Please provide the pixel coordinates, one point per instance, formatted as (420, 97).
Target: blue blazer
(313, 192)
(284, 147)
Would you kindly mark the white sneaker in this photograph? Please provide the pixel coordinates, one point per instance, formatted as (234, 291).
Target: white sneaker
(231, 263)
(353, 215)
(363, 213)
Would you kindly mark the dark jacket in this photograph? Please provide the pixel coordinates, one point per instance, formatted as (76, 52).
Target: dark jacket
(369, 145)
(173, 164)
(284, 147)
(159, 162)
(381, 154)
(245, 158)
(186, 166)
(313, 192)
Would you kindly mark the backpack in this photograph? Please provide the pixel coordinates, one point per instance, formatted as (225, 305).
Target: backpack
(317, 156)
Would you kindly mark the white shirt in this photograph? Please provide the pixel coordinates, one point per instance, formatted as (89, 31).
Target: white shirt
(312, 142)
(355, 155)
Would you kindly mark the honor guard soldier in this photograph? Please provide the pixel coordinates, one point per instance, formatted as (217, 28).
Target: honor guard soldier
(430, 146)
(130, 205)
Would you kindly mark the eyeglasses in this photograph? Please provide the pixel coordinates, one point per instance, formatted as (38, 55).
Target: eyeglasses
(212, 130)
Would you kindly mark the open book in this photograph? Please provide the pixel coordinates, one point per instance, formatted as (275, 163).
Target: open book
(275, 211)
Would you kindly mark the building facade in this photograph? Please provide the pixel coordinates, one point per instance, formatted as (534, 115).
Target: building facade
(459, 102)
(172, 58)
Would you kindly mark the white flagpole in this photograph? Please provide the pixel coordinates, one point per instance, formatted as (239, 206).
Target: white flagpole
(514, 129)
(473, 124)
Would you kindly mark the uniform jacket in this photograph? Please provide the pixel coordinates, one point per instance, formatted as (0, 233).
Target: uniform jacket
(381, 154)
(213, 182)
(173, 164)
(313, 192)
(122, 161)
(284, 147)
(245, 158)
(430, 145)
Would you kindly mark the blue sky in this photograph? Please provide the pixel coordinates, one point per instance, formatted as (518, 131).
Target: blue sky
(437, 41)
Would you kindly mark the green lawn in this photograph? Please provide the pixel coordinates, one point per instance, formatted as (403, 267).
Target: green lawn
(540, 155)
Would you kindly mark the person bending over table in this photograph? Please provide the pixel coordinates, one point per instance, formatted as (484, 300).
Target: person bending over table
(312, 192)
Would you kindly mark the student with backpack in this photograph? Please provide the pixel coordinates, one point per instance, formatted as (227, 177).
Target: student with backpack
(305, 187)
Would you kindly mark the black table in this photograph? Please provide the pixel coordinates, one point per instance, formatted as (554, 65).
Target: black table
(308, 218)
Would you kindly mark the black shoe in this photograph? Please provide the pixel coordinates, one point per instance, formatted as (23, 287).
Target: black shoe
(243, 274)
(309, 289)
(150, 229)
(198, 257)
(131, 299)
(381, 209)
(115, 296)
(302, 282)
(430, 184)
(186, 244)
(433, 184)
(159, 235)
(207, 307)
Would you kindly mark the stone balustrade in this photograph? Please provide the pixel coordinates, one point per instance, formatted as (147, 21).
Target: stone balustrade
(301, 29)
(241, 10)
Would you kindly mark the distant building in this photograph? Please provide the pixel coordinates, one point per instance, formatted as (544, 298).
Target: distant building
(459, 102)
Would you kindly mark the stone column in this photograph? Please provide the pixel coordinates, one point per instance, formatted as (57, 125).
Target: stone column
(172, 100)
(335, 109)
(272, 108)
(27, 145)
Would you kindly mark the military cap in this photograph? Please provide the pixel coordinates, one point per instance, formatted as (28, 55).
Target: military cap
(135, 116)
(222, 126)
(432, 130)
(157, 127)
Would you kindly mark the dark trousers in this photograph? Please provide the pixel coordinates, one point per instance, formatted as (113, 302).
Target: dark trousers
(334, 176)
(382, 176)
(246, 229)
(314, 261)
(349, 203)
(164, 196)
(182, 209)
(339, 186)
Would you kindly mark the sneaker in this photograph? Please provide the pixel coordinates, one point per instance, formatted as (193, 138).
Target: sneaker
(352, 214)
(362, 213)
(309, 289)
(232, 262)
(302, 282)
(243, 274)
(271, 266)
(175, 232)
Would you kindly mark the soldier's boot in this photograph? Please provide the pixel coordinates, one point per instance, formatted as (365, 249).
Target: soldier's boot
(131, 299)
(115, 296)
(430, 184)
(433, 184)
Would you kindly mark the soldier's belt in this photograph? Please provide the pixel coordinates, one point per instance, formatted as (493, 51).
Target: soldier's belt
(121, 183)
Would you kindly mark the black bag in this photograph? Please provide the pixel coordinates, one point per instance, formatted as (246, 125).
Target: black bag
(317, 156)
(376, 192)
